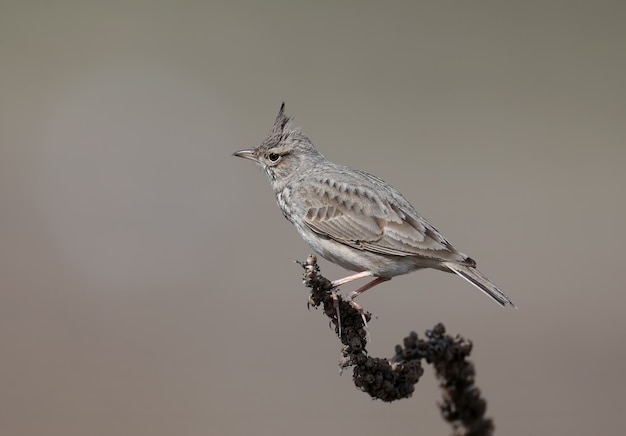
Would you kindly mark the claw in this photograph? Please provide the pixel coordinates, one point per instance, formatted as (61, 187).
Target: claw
(337, 311)
(310, 303)
(356, 306)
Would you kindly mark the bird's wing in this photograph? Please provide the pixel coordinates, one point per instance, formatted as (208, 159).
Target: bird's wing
(358, 216)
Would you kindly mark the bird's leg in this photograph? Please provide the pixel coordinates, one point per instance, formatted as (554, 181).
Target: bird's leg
(358, 292)
(351, 278)
(337, 311)
(376, 281)
(343, 281)
(354, 294)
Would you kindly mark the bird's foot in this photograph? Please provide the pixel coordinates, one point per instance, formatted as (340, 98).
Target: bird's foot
(335, 299)
(356, 306)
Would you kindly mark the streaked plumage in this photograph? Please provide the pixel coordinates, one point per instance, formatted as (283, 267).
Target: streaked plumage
(353, 218)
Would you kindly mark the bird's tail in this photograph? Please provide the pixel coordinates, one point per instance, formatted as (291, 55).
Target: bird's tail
(472, 275)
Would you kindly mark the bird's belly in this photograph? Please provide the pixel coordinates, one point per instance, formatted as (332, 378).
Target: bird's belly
(354, 259)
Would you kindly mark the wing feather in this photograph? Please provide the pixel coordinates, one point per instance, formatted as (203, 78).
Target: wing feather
(356, 215)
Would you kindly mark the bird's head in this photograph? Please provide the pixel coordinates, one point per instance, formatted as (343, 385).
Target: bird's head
(284, 153)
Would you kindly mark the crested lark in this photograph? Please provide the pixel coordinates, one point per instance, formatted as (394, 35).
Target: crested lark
(354, 219)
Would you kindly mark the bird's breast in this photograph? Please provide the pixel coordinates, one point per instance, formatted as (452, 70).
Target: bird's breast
(283, 198)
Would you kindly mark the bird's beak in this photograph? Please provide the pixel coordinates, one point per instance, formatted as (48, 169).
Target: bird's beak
(246, 154)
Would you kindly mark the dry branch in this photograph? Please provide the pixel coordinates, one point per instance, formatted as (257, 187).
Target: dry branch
(390, 379)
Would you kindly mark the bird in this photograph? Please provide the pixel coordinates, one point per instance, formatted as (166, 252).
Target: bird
(355, 219)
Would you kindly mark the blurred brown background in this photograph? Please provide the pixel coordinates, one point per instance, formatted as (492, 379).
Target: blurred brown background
(147, 283)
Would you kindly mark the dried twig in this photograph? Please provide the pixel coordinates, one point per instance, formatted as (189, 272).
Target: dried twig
(390, 379)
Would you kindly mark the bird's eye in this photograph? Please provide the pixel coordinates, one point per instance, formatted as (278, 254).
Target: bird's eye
(273, 157)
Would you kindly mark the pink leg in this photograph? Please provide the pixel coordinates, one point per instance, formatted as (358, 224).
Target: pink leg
(353, 295)
(376, 281)
(351, 278)
(343, 281)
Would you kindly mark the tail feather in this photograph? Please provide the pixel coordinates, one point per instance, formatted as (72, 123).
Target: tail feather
(475, 277)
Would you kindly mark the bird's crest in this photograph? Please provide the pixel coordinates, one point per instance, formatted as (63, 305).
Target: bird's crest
(283, 122)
